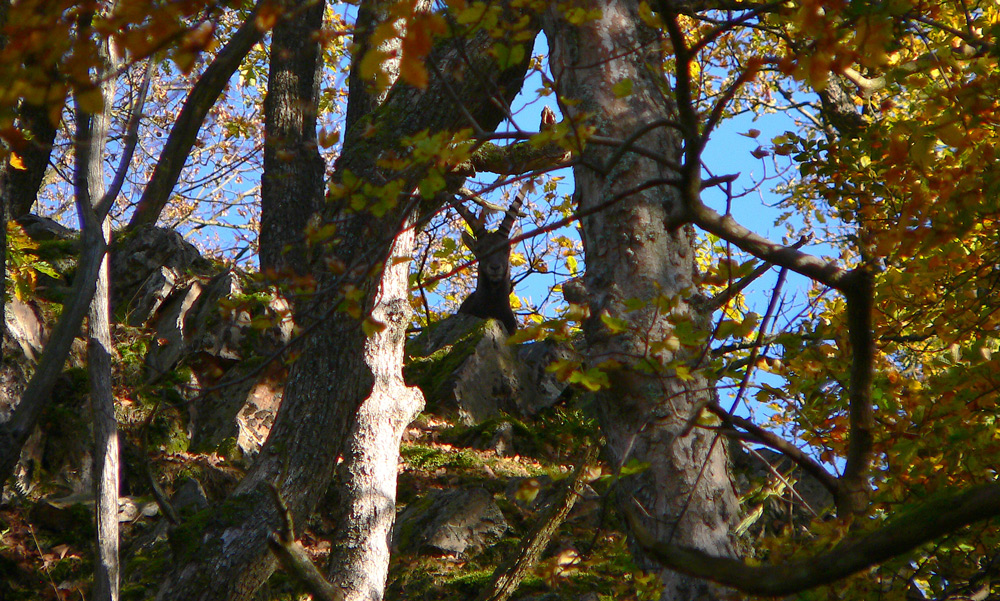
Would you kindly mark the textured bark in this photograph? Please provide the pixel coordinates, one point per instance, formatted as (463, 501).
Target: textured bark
(102, 402)
(88, 180)
(291, 187)
(359, 554)
(106, 468)
(631, 254)
(224, 554)
(20, 186)
(358, 563)
(363, 98)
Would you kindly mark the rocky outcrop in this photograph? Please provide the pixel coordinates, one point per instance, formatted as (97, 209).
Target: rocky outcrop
(450, 522)
(201, 328)
(465, 363)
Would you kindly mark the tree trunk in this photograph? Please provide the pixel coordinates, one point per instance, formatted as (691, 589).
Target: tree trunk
(632, 254)
(359, 552)
(291, 187)
(91, 141)
(20, 187)
(106, 468)
(223, 555)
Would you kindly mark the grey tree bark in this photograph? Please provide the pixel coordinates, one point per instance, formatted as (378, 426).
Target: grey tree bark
(633, 253)
(90, 143)
(20, 186)
(292, 182)
(366, 489)
(223, 555)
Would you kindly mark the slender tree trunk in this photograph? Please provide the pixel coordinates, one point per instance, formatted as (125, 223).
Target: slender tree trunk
(632, 254)
(366, 489)
(91, 140)
(106, 468)
(224, 556)
(359, 555)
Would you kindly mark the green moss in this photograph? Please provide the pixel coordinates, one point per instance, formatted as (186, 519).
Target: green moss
(432, 372)
(167, 431)
(230, 450)
(471, 581)
(187, 539)
(428, 458)
(133, 350)
(144, 571)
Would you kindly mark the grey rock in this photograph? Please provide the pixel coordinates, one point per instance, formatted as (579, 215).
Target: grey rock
(169, 342)
(25, 326)
(465, 362)
(452, 522)
(43, 228)
(540, 388)
(157, 287)
(145, 252)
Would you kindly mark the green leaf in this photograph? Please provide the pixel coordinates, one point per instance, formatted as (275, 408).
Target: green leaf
(622, 89)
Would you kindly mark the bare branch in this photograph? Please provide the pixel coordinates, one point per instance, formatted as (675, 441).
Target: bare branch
(185, 130)
(904, 533)
(770, 439)
(131, 139)
(727, 228)
(293, 557)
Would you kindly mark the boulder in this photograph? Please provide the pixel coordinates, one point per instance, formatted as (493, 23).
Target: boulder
(450, 522)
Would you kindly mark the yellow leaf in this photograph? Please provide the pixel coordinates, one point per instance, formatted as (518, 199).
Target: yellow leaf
(17, 162)
(371, 326)
(91, 100)
(683, 372)
(328, 138)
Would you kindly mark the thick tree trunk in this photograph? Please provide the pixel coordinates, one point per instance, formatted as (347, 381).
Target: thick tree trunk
(359, 553)
(633, 254)
(292, 182)
(223, 555)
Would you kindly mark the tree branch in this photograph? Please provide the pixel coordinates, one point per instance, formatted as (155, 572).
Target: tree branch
(903, 534)
(293, 558)
(509, 575)
(185, 130)
(854, 482)
(770, 439)
(727, 228)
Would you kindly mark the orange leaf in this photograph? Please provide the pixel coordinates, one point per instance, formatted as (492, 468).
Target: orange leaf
(413, 71)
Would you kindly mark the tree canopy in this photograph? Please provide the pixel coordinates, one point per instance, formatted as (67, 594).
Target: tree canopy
(335, 155)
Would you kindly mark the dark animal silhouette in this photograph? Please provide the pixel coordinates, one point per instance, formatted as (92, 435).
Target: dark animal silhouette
(491, 299)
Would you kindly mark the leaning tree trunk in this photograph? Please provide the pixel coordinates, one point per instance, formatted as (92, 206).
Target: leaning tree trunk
(224, 556)
(632, 253)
